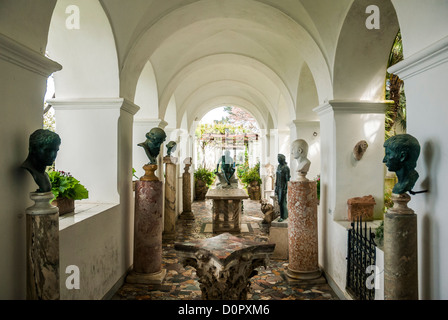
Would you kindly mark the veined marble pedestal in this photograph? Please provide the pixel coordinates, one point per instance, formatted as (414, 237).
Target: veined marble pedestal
(169, 220)
(186, 214)
(42, 248)
(226, 209)
(224, 264)
(302, 231)
(400, 251)
(148, 227)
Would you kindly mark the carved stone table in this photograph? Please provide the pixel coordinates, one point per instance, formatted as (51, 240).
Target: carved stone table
(226, 209)
(224, 264)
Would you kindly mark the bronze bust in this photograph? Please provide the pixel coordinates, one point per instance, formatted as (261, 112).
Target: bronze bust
(401, 154)
(154, 139)
(43, 148)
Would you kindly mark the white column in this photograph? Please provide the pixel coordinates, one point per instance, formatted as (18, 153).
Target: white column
(92, 132)
(342, 125)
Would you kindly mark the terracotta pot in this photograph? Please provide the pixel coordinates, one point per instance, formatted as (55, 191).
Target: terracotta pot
(65, 205)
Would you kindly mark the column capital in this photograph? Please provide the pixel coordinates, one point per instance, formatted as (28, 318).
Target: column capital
(353, 106)
(94, 103)
(22, 56)
(151, 123)
(424, 60)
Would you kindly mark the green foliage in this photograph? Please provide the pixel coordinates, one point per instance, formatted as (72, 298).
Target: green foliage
(202, 173)
(251, 174)
(379, 233)
(63, 185)
(318, 187)
(133, 173)
(396, 113)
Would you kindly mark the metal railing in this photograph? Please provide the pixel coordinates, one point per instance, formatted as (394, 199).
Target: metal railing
(361, 255)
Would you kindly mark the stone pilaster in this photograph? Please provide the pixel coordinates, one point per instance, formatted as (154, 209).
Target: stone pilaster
(400, 251)
(169, 231)
(302, 231)
(148, 227)
(186, 214)
(42, 242)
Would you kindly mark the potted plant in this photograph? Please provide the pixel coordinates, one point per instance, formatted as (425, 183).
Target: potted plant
(203, 179)
(66, 189)
(252, 181)
(134, 181)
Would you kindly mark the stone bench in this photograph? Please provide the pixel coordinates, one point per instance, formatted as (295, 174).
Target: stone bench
(224, 264)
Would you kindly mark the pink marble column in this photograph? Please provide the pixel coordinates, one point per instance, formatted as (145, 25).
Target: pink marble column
(148, 228)
(302, 230)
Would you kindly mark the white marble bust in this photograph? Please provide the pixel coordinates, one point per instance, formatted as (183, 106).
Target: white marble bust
(299, 150)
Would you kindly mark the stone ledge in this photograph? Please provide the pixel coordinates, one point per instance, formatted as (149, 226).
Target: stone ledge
(82, 212)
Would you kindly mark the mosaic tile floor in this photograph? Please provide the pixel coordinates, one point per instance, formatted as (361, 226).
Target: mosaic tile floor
(181, 283)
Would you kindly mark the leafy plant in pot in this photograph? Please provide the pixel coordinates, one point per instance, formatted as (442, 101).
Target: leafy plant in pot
(203, 178)
(66, 189)
(252, 181)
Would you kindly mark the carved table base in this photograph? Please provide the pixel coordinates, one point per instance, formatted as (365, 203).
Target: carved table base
(224, 264)
(226, 209)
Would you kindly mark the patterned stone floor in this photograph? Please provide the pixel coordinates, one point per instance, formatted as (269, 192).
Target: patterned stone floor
(181, 283)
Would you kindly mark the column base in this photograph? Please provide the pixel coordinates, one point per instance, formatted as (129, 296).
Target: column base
(168, 236)
(309, 277)
(146, 278)
(187, 215)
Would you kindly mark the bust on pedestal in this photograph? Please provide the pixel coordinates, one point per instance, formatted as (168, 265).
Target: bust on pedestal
(148, 220)
(400, 222)
(302, 225)
(42, 220)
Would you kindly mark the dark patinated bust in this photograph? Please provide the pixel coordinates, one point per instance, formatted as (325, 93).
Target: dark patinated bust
(401, 154)
(154, 139)
(171, 147)
(43, 148)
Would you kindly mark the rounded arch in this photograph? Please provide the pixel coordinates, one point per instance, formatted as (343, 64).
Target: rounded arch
(146, 96)
(251, 79)
(86, 51)
(217, 102)
(229, 91)
(362, 53)
(267, 20)
(307, 97)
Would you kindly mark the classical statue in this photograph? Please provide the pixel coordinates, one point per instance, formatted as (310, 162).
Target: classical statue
(401, 154)
(299, 150)
(281, 186)
(154, 139)
(227, 166)
(43, 148)
(171, 147)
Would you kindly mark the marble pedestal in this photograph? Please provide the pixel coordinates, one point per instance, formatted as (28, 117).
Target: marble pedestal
(169, 218)
(42, 248)
(302, 231)
(226, 209)
(148, 227)
(278, 234)
(186, 214)
(400, 251)
(224, 264)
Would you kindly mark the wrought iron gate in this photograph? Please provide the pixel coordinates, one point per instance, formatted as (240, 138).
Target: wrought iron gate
(361, 253)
